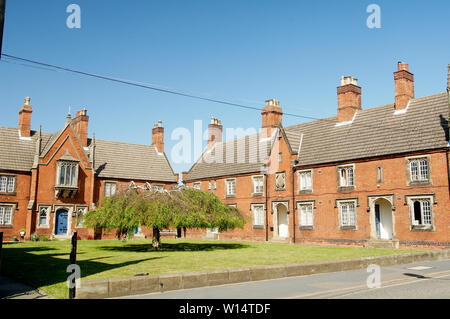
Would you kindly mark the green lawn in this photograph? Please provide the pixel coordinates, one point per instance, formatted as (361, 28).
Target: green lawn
(43, 264)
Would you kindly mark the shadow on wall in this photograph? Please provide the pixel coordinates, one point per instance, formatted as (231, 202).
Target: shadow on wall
(445, 127)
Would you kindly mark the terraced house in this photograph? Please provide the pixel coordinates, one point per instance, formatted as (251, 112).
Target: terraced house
(374, 176)
(48, 181)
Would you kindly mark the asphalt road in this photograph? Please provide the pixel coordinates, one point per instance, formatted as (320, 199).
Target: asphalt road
(430, 280)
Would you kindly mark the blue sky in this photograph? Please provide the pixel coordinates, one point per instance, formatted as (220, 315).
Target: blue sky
(245, 51)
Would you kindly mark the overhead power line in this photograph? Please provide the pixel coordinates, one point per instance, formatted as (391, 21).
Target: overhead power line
(51, 67)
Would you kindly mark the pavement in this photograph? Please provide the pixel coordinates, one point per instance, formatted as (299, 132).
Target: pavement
(10, 289)
(421, 280)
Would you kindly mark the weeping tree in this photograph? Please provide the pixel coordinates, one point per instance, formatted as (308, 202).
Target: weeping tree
(182, 208)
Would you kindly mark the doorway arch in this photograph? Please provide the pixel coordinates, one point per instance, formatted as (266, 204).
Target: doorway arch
(281, 220)
(382, 218)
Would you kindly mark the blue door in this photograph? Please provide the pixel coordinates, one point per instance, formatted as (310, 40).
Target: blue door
(61, 222)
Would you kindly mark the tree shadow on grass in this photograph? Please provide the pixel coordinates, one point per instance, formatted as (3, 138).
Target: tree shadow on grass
(183, 246)
(31, 266)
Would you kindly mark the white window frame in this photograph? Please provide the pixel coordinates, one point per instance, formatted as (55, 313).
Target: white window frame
(212, 185)
(258, 215)
(47, 209)
(305, 218)
(422, 168)
(109, 193)
(302, 187)
(426, 202)
(345, 215)
(4, 207)
(73, 182)
(230, 191)
(80, 211)
(197, 185)
(158, 187)
(258, 189)
(348, 182)
(7, 184)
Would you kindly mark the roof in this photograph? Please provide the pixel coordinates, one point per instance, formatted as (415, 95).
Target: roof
(131, 161)
(237, 156)
(112, 159)
(377, 131)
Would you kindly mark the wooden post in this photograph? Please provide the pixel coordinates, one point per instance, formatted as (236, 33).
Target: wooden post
(73, 261)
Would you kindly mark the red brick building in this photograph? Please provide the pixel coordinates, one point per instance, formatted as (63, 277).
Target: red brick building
(368, 176)
(48, 181)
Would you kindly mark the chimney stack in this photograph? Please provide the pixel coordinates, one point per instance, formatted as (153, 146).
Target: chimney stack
(349, 98)
(80, 125)
(404, 86)
(272, 115)
(25, 118)
(158, 137)
(214, 132)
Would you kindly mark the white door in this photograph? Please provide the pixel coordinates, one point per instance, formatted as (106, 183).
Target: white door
(283, 227)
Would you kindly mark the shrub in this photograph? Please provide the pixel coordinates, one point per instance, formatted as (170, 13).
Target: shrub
(43, 238)
(34, 236)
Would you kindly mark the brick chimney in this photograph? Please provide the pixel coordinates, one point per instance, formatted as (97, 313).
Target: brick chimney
(25, 118)
(404, 86)
(214, 132)
(272, 115)
(80, 125)
(158, 137)
(349, 98)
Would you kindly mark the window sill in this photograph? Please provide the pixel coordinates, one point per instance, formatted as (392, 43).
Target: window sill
(8, 194)
(348, 227)
(419, 183)
(43, 226)
(257, 194)
(6, 226)
(306, 227)
(280, 189)
(421, 228)
(230, 196)
(258, 226)
(305, 191)
(345, 188)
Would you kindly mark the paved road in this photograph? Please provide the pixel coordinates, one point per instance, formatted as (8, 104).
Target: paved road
(430, 280)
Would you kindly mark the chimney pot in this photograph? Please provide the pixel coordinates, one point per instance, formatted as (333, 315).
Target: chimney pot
(158, 137)
(214, 132)
(272, 115)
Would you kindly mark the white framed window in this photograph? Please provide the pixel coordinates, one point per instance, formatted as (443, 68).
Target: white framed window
(212, 185)
(258, 215)
(347, 212)
(421, 210)
(7, 183)
(419, 170)
(305, 180)
(258, 184)
(305, 213)
(346, 176)
(158, 188)
(110, 189)
(43, 216)
(197, 185)
(231, 187)
(80, 213)
(6, 214)
(67, 174)
(232, 205)
(280, 181)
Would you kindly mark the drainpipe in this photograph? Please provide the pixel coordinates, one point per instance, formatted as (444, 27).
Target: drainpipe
(294, 169)
(267, 213)
(448, 169)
